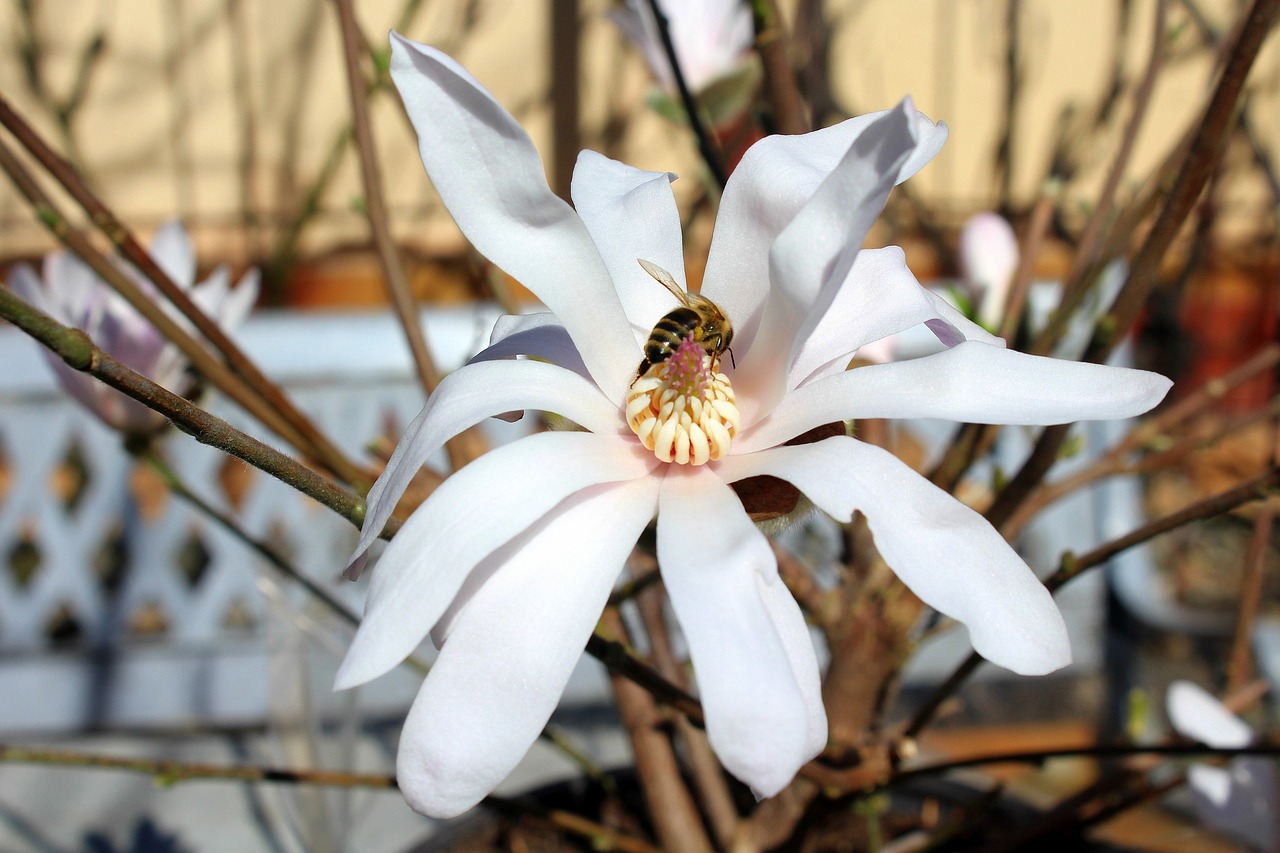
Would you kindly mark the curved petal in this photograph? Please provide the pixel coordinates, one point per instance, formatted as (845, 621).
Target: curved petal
(944, 551)
(811, 256)
(764, 713)
(240, 301)
(537, 335)
(27, 284)
(973, 382)
(775, 179)
(632, 215)
(172, 251)
(464, 398)
(513, 647)
(472, 514)
(880, 297)
(490, 177)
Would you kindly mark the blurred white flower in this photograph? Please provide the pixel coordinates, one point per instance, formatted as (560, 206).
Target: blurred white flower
(510, 562)
(72, 293)
(1239, 799)
(988, 262)
(711, 38)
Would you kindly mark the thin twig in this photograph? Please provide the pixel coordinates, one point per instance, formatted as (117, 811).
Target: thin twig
(706, 147)
(779, 77)
(168, 772)
(1037, 756)
(1090, 239)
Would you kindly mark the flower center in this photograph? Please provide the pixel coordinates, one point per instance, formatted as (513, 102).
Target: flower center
(682, 410)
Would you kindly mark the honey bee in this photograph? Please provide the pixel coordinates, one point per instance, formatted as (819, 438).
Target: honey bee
(697, 315)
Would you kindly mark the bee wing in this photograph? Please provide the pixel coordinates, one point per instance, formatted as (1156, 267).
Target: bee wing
(665, 279)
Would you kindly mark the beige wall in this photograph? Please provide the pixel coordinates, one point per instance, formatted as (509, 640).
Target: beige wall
(223, 111)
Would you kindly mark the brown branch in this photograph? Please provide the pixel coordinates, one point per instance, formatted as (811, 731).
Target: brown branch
(675, 817)
(779, 77)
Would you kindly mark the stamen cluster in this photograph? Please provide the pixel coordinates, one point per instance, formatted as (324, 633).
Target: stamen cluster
(683, 410)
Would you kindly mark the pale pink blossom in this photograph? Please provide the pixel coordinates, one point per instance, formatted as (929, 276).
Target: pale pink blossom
(509, 563)
(712, 38)
(71, 292)
(988, 263)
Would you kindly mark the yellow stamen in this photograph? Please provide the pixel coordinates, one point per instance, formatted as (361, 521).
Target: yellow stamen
(682, 410)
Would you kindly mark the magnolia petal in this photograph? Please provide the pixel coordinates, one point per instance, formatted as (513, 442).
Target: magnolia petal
(721, 575)
(240, 301)
(464, 398)
(811, 256)
(491, 179)
(1197, 714)
(27, 285)
(473, 513)
(540, 335)
(880, 297)
(513, 647)
(632, 215)
(973, 382)
(944, 551)
(775, 179)
(172, 251)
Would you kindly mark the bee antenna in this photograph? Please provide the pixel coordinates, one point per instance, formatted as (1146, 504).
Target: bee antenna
(731, 359)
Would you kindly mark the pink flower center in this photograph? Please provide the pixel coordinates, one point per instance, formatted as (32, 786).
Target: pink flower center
(682, 410)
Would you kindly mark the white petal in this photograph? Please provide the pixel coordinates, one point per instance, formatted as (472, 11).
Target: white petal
(171, 250)
(1197, 714)
(973, 382)
(491, 179)
(775, 179)
(467, 396)
(632, 215)
(240, 301)
(944, 551)
(473, 513)
(878, 298)
(811, 257)
(764, 714)
(513, 647)
(538, 335)
(28, 286)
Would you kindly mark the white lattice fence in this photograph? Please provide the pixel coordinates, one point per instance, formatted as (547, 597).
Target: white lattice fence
(122, 605)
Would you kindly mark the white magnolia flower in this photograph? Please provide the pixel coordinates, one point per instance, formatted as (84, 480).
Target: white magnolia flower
(711, 38)
(1239, 799)
(988, 262)
(512, 559)
(72, 293)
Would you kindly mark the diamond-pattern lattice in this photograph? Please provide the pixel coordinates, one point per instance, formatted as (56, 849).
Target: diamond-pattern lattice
(153, 611)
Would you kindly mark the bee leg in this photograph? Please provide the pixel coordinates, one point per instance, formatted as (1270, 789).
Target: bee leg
(645, 364)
